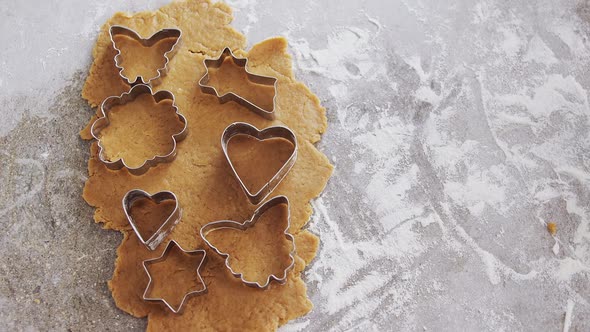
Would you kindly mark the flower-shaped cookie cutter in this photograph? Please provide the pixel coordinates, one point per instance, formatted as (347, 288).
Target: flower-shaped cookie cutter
(242, 128)
(231, 96)
(126, 97)
(167, 225)
(212, 226)
(169, 246)
(118, 30)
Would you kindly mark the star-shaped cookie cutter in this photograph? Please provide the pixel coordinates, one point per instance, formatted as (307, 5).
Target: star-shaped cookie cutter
(118, 30)
(163, 257)
(277, 200)
(126, 97)
(165, 228)
(231, 96)
(242, 128)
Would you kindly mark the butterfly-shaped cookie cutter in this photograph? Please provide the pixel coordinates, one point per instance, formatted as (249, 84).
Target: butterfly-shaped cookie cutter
(231, 96)
(242, 128)
(118, 30)
(165, 228)
(169, 246)
(212, 226)
(126, 97)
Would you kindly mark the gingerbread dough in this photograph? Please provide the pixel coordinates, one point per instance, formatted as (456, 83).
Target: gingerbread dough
(140, 130)
(202, 179)
(131, 49)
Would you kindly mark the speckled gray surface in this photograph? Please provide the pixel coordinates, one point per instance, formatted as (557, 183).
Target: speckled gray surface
(458, 130)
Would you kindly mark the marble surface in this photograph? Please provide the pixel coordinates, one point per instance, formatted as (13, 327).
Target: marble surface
(458, 129)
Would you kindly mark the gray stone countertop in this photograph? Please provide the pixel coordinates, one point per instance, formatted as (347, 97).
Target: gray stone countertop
(458, 129)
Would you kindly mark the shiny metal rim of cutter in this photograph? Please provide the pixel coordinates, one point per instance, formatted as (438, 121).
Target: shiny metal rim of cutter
(163, 257)
(277, 200)
(165, 228)
(242, 128)
(126, 97)
(231, 96)
(160, 35)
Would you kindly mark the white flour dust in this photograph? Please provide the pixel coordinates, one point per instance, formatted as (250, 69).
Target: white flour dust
(455, 143)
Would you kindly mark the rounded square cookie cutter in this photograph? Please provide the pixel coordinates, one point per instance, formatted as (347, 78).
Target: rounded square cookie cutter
(231, 96)
(242, 128)
(163, 257)
(126, 97)
(277, 200)
(165, 228)
(119, 30)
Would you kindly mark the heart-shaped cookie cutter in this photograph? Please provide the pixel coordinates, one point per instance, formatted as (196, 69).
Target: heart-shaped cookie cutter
(242, 128)
(212, 226)
(163, 257)
(118, 30)
(126, 97)
(132, 196)
(231, 96)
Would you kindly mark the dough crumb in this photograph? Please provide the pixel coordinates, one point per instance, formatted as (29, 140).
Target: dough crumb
(552, 228)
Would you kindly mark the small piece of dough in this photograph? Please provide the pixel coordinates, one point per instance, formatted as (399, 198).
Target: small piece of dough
(200, 175)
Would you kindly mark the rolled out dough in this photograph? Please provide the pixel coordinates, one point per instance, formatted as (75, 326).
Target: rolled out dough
(200, 176)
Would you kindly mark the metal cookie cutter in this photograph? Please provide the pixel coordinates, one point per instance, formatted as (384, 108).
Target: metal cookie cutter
(277, 200)
(126, 97)
(163, 257)
(117, 30)
(167, 225)
(242, 128)
(230, 96)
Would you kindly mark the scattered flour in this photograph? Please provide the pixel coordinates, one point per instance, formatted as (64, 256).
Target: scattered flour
(538, 51)
(453, 152)
(567, 322)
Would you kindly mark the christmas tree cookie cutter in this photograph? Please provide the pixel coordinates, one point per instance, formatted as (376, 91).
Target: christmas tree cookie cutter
(133, 196)
(242, 128)
(118, 30)
(231, 96)
(163, 257)
(127, 97)
(216, 225)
